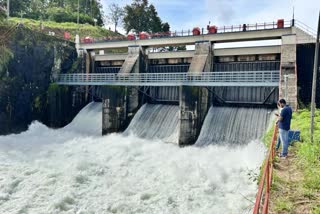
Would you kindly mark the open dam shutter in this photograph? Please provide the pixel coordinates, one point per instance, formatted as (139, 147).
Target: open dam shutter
(230, 125)
(156, 122)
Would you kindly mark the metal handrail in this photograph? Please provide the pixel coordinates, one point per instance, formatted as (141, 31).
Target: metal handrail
(204, 78)
(182, 33)
(266, 179)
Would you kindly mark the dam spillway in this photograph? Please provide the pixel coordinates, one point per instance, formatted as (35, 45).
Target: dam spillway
(233, 126)
(156, 122)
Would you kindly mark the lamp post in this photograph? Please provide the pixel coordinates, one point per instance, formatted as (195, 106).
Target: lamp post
(314, 81)
(78, 18)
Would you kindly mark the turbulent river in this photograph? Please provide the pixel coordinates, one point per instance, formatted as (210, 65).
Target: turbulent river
(75, 170)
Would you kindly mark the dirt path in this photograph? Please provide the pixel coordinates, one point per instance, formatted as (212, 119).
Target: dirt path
(288, 194)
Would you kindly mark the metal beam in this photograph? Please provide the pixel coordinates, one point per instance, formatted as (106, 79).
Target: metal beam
(171, 55)
(110, 57)
(248, 51)
(269, 95)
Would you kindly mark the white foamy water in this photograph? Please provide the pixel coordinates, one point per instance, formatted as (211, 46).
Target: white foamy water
(156, 122)
(72, 170)
(233, 126)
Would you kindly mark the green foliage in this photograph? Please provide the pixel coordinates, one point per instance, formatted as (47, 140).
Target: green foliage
(68, 9)
(58, 14)
(155, 21)
(37, 102)
(5, 56)
(2, 15)
(165, 27)
(53, 87)
(140, 16)
(308, 153)
(316, 210)
(301, 121)
(283, 205)
(76, 66)
(60, 28)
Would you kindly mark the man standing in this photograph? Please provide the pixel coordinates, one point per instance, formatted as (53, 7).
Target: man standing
(284, 122)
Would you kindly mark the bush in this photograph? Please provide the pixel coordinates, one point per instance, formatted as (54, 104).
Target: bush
(59, 14)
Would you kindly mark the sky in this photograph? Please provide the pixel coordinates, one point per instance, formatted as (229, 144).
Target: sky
(186, 14)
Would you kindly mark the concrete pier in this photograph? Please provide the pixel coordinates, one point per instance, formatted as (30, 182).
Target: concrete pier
(288, 88)
(193, 109)
(194, 100)
(120, 103)
(113, 110)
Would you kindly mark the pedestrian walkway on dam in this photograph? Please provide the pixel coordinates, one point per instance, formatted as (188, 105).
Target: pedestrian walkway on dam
(249, 78)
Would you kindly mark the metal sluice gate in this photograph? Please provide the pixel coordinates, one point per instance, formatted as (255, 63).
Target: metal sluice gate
(248, 78)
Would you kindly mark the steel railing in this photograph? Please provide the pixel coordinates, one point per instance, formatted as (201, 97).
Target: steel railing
(263, 195)
(250, 78)
(203, 31)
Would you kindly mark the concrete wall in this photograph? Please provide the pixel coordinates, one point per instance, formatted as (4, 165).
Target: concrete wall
(202, 58)
(193, 109)
(113, 109)
(194, 100)
(288, 73)
(121, 103)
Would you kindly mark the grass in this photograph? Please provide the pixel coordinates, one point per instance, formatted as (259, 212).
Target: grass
(283, 204)
(60, 28)
(296, 180)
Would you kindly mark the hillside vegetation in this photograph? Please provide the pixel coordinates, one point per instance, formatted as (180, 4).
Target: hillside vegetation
(60, 28)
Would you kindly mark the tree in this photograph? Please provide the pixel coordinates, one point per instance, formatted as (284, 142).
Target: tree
(116, 15)
(16, 6)
(142, 17)
(155, 23)
(165, 27)
(136, 16)
(38, 9)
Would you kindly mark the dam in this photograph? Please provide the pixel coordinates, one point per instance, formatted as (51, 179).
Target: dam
(132, 74)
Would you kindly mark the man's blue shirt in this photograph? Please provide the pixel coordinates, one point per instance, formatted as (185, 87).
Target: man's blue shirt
(286, 114)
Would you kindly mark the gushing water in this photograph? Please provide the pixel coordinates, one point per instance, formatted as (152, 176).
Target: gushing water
(230, 125)
(156, 122)
(74, 170)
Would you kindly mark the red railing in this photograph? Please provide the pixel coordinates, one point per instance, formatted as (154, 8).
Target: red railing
(266, 179)
(203, 31)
